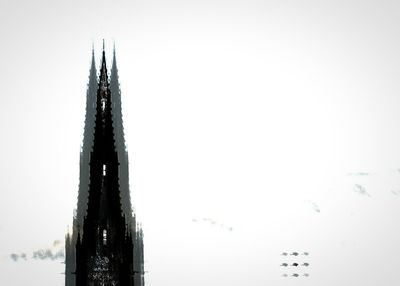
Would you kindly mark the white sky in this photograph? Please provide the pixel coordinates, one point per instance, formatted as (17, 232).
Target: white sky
(250, 113)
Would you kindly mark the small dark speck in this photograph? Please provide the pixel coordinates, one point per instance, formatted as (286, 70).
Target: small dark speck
(14, 256)
(295, 275)
(361, 190)
(295, 264)
(315, 207)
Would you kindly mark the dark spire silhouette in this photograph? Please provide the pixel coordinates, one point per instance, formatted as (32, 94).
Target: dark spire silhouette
(120, 142)
(124, 172)
(87, 142)
(104, 256)
(104, 201)
(84, 170)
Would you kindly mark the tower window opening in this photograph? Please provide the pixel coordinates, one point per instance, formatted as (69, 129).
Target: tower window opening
(104, 236)
(103, 104)
(104, 169)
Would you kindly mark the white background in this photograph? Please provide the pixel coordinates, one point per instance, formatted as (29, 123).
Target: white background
(262, 116)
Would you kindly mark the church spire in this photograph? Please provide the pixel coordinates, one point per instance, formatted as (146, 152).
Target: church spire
(114, 65)
(120, 142)
(87, 143)
(104, 229)
(103, 71)
(105, 254)
(114, 71)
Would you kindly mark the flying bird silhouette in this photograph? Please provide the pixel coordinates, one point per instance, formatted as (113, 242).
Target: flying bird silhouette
(361, 190)
(316, 207)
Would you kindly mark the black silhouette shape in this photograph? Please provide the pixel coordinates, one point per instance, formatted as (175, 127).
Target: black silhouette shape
(106, 245)
(284, 264)
(316, 207)
(361, 190)
(295, 264)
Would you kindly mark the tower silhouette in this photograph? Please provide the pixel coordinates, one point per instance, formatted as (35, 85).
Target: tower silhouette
(106, 244)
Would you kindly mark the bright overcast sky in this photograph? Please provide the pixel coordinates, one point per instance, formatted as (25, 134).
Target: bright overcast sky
(253, 128)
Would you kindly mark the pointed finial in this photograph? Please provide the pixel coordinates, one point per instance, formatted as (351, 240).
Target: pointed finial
(92, 52)
(103, 60)
(114, 57)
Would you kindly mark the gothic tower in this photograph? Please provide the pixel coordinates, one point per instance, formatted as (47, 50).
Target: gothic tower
(79, 213)
(106, 245)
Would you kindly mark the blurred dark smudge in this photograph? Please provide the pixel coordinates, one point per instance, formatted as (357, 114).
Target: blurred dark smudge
(53, 253)
(361, 190)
